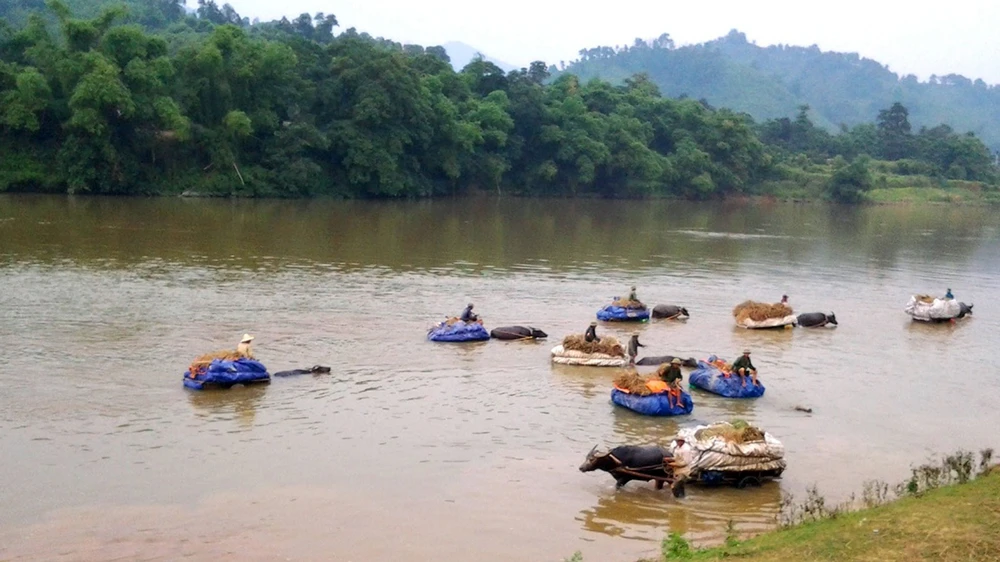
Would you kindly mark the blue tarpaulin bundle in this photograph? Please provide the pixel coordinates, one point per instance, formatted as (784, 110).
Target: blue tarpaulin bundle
(227, 373)
(458, 332)
(612, 313)
(653, 404)
(708, 377)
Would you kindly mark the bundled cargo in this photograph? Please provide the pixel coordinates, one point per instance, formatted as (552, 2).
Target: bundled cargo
(926, 308)
(455, 330)
(224, 369)
(651, 397)
(727, 452)
(758, 315)
(576, 350)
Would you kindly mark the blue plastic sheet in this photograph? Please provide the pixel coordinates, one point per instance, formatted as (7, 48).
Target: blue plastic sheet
(653, 404)
(227, 373)
(707, 377)
(612, 313)
(458, 332)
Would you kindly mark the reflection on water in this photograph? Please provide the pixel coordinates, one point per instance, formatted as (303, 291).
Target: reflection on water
(105, 301)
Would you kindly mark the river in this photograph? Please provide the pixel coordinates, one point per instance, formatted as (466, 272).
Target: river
(420, 451)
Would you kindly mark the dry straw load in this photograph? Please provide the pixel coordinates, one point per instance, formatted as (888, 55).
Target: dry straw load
(630, 304)
(200, 365)
(924, 298)
(760, 311)
(738, 431)
(631, 382)
(608, 345)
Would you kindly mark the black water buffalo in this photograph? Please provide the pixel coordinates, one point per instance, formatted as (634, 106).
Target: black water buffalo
(669, 311)
(661, 359)
(315, 369)
(964, 309)
(517, 333)
(816, 319)
(643, 463)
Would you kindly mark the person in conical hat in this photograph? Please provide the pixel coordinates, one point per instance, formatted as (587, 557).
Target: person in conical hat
(244, 346)
(672, 376)
(744, 367)
(469, 316)
(591, 334)
(632, 296)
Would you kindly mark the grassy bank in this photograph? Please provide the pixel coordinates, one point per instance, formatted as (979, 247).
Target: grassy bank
(957, 522)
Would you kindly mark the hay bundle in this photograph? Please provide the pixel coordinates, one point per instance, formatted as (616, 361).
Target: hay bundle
(633, 383)
(200, 365)
(760, 311)
(925, 298)
(608, 345)
(629, 304)
(738, 431)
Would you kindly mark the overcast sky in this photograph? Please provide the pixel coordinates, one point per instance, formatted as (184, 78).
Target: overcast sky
(917, 37)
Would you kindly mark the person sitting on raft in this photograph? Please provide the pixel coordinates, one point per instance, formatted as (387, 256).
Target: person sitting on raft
(633, 347)
(743, 366)
(469, 316)
(784, 299)
(632, 296)
(591, 334)
(948, 295)
(244, 346)
(672, 376)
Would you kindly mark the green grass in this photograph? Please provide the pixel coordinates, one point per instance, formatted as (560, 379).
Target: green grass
(948, 524)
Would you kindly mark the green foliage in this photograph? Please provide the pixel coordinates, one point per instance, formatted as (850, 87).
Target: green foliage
(138, 97)
(850, 181)
(676, 547)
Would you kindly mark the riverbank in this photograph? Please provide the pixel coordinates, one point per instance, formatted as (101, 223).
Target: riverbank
(955, 522)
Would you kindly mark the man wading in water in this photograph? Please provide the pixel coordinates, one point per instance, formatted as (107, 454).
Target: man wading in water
(633, 347)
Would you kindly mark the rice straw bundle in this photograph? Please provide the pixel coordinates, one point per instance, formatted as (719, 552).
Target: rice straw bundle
(737, 432)
(760, 311)
(925, 298)
(629, 304)
(200, 365)
(633, 383)
(608, 345)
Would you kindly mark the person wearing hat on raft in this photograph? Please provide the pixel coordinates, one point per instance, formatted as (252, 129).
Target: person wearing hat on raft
(244, 346)
(742, 366)
(469, 316)
(633, 347)
(948, 295)
(784, 299)
(673, 377)
(632, 296)
(591, 334)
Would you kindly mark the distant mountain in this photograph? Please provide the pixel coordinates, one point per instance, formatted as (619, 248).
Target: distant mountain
(461, 54)
(772, 82)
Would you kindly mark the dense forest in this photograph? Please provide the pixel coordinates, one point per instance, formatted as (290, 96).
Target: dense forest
(142, 97)
(771, 82)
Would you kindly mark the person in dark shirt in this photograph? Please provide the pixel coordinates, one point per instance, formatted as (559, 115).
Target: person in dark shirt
(468, 315)
(948, 295)
(743, 367)
(633, 347)
(673, 377)
(591, 335)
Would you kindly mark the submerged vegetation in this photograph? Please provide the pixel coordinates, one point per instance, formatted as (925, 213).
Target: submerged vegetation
(144, 98)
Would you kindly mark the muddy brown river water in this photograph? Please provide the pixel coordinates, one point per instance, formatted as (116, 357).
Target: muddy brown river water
(417, 451)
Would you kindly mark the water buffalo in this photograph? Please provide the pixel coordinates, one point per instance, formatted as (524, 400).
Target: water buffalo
(964, 309)
(517, 333)
(661, 359)
(642, 463)
(669, 311)
(315, 369)
(816, 319)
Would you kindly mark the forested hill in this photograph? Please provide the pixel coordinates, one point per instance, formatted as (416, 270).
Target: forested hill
(771, 82)
(141, 97)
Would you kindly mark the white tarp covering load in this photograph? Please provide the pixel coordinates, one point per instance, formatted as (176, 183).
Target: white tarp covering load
(565, 356)
(702, 452)
(750, 323)
(922, 307)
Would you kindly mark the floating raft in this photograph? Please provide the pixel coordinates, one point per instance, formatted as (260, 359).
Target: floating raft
(225, 374)
(564, 356)
(458, 331)
(710, 378)
(612, 313)
(652, 404)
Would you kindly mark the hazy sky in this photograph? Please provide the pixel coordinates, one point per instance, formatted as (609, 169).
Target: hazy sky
(916, 37)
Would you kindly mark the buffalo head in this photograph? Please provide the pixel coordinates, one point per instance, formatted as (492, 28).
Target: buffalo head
(598, 460)
(831, 319)
(536, 333)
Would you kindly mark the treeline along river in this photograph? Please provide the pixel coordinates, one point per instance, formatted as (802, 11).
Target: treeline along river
(435, 451)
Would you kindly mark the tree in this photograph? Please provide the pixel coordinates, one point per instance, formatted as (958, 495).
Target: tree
(851, 181)
(893, 126)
